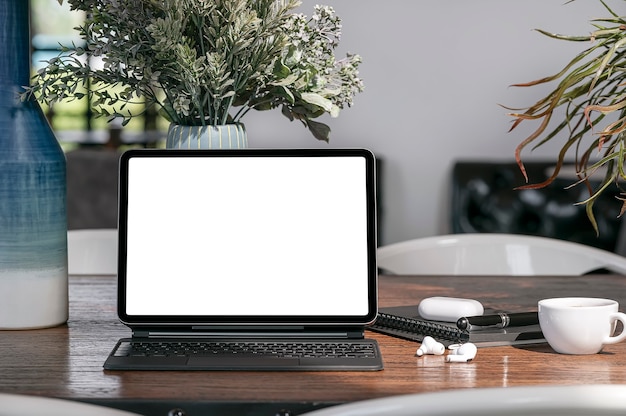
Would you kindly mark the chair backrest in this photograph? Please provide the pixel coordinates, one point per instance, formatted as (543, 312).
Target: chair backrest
(92, 176)
(92, 251)
(586, 399)
(27, 405)
(484, 200)
(495, 254)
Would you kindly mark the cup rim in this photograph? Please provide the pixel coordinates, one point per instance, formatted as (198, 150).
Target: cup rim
(563, 302)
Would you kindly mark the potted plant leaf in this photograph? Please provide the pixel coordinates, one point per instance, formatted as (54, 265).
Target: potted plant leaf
(590, 92)
(204, 64)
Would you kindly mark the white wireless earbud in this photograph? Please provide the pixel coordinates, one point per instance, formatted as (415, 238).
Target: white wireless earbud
(430, 346)
(462, 354)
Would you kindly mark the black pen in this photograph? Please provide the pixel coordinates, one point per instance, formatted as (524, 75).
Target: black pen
(500, 320)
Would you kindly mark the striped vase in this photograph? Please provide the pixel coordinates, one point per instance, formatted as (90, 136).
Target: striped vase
(228, 136)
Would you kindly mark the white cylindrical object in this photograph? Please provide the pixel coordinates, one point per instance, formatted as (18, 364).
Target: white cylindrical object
(446, 309)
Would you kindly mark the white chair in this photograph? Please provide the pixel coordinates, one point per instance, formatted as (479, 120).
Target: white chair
(28, 405)
(580, 400)
(495, 254)
(92, 251)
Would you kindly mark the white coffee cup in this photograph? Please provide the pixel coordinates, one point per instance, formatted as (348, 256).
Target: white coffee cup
(580, 325)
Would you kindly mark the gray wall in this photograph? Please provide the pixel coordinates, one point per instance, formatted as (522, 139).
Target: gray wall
(435, 73)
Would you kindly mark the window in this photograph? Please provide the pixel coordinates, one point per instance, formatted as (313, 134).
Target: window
(53, 25)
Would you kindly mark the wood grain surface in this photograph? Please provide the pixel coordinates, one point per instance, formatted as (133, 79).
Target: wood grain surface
(66, 361)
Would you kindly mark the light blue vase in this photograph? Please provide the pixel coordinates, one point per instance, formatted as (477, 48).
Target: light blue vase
(33, 219)
(228, 136)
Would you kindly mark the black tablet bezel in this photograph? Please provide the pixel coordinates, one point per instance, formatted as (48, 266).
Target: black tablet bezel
(205, 321)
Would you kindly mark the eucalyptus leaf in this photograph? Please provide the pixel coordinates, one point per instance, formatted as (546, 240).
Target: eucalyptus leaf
(318, 100)
(320, 130)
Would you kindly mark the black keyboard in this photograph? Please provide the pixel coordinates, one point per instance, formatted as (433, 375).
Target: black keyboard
(362, 354)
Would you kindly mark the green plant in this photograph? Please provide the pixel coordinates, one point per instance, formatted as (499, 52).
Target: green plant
(591, 93)
(204, 62)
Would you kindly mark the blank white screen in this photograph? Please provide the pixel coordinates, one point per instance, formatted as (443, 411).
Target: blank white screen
(277, 236)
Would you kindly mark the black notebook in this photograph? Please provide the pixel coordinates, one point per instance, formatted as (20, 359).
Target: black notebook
(405, 322)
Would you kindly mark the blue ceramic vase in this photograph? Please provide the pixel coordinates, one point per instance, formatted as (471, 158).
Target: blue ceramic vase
(33, 219)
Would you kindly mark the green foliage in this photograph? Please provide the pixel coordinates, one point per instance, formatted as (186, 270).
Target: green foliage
(204, 62)
(590, 87)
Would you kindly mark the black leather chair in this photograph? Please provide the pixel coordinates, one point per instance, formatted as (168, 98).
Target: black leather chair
(92, 176)
(484, 200)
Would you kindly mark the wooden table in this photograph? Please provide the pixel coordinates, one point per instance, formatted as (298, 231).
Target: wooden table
(66, 361)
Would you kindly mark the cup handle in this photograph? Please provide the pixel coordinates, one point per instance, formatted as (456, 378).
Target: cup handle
(618, 316)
